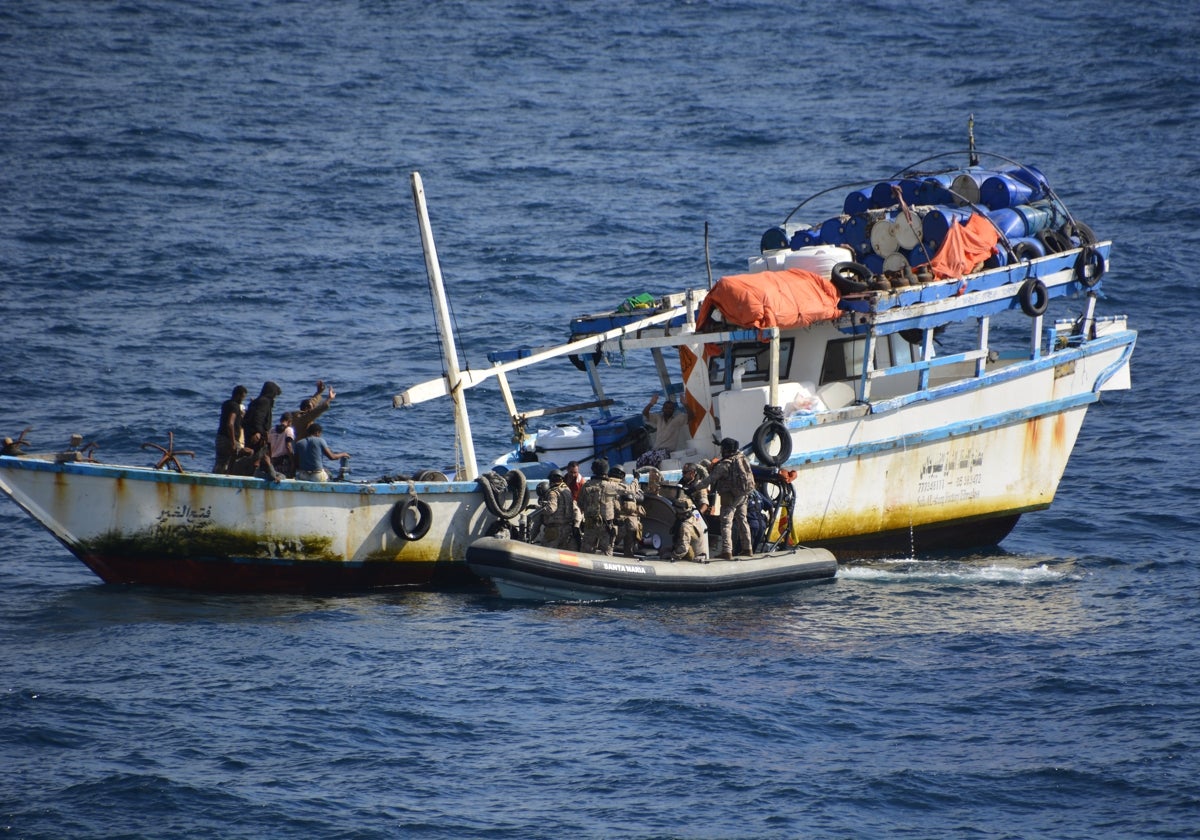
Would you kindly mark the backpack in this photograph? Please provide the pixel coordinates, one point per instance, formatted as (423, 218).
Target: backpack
(591, 500)
(741, 477)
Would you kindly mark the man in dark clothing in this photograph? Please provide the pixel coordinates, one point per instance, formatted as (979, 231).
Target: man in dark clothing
(255, 426)
(259, 415)
(229, 431)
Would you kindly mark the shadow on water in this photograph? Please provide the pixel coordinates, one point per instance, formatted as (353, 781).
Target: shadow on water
(101, 606)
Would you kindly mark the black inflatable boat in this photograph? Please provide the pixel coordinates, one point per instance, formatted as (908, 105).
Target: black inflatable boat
(521, 570)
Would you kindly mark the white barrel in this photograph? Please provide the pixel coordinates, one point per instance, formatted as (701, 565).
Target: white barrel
(966, 186)
(908, 229)
(883, 237)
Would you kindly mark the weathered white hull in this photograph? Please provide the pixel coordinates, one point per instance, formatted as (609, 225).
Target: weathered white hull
(967, 457)
(137, 525)
(987, 449)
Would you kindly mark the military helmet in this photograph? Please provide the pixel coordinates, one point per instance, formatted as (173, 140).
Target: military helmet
(617, 472)
(729, 446)
(683, 505)
(555, 476)
(600, 467)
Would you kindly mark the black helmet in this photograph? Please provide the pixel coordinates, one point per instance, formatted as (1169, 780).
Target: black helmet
(600, 467)
(555, 476)
(689, 467)
(729, 446)
(617, 472)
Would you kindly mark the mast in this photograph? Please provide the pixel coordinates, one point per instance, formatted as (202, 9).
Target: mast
(441, 310)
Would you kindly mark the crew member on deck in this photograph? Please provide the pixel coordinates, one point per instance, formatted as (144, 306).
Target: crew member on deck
(309, 452)
(670, 428)
(230, 442)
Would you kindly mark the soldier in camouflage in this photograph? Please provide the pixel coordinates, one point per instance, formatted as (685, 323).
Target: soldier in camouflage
(629, 512)
(598, 501)
(734, 482)
(558, 513)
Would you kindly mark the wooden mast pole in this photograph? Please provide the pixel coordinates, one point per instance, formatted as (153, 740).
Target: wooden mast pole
(462, 422)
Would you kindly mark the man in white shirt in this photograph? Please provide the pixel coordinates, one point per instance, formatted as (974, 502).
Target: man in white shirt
(670, 428)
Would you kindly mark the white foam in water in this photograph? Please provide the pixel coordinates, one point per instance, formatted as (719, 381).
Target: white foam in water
(933, 571)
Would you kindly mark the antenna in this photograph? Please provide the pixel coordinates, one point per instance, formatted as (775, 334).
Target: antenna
(974, 160)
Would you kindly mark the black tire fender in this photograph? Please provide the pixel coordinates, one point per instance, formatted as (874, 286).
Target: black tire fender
(762, 435)
(424, 519)
(850, 270)
(516, 485)
(850, 277)
(1089, 267)
(1054, 241)
(1025, 252)
(1034, 297)
(1080, 231)
(580, 364)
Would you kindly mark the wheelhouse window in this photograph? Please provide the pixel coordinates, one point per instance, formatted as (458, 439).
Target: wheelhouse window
(753, 359)
(844, 357)
(843, 360)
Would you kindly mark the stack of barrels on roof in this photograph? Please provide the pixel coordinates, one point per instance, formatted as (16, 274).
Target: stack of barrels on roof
(900, 224)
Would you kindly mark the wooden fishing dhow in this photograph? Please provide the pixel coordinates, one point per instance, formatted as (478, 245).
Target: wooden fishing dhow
(910, 373)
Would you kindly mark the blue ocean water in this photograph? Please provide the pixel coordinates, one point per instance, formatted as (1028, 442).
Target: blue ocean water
(197, 195)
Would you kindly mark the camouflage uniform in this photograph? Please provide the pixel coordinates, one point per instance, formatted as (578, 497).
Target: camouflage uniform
(629, 516)
(598, 501)
(690, 535)
(734, 482)
(558, 517)
(698, 494)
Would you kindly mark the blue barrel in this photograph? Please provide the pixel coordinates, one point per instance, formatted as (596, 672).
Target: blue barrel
(1037, 218)
(935, 189)
(936, 225)
(1008, 221)
(606, 436)
(858, 201)
(998, 259)
(1032, 176)
(856, 236)
(1058, 213)
(773, 239)
(882, 195)
(805, 238)
(917, 256)
(909, 188)
(1005, 190)
(832, 232)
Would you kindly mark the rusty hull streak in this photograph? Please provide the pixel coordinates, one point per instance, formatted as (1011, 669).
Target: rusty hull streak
(961, 495)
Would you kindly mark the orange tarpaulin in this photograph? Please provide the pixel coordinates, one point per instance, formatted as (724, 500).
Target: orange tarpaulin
(966, 246)
(790, 298)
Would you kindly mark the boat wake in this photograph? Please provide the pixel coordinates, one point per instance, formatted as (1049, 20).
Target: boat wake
(954, 573)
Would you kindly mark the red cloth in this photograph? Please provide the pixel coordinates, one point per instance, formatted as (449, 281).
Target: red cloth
(966, 246)
(790, 298)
